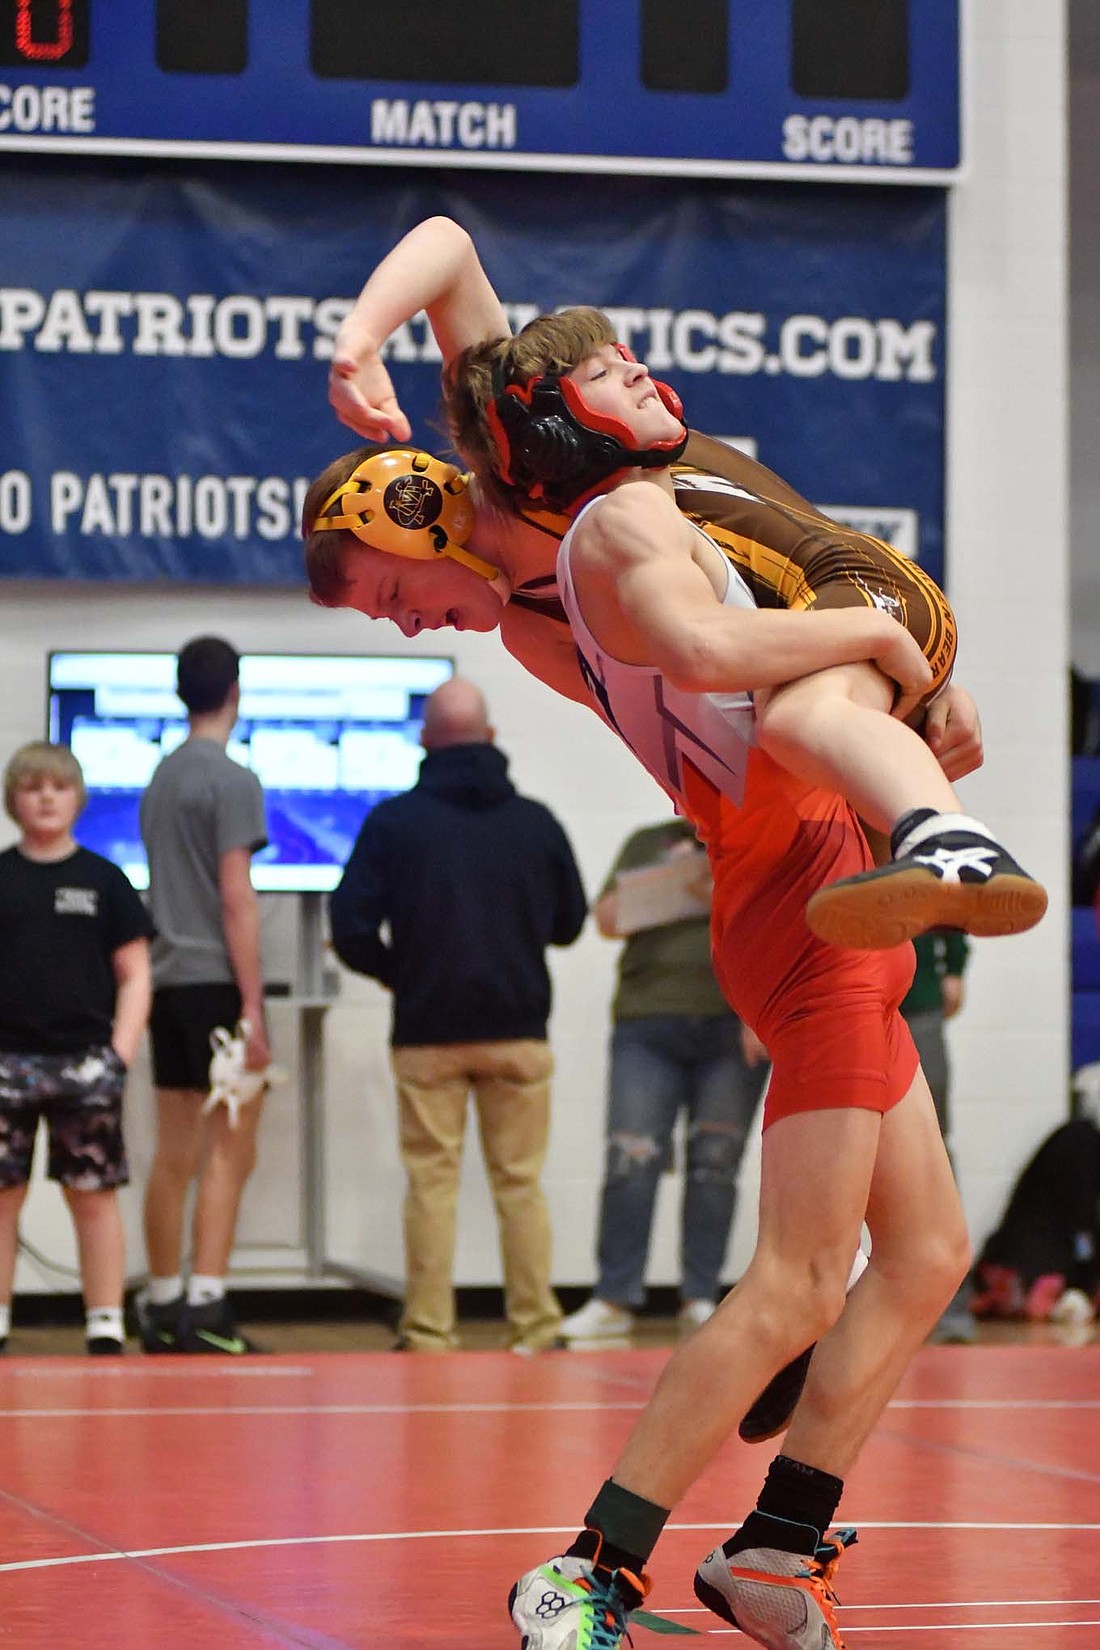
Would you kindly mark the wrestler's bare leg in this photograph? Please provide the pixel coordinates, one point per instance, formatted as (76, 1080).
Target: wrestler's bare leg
(819, 1171)
(816, 1171)
(920, 1253)
(833, 729)
(773, 1578)
(948, 871)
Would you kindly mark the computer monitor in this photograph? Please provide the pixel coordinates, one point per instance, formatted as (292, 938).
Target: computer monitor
(327, 736)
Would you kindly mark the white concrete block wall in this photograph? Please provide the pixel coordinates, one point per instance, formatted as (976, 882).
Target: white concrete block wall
(1007, 561)
(1084, 334)
(1007, 512)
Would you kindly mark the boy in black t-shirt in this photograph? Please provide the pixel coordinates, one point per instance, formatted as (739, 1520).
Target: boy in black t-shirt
(74, 998)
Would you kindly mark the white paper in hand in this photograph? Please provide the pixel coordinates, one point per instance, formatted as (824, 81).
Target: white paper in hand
(231, 1085)
(657, 894)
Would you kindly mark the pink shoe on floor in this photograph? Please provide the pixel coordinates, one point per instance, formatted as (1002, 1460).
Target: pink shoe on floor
(1043, 1296)
(1000, 1293)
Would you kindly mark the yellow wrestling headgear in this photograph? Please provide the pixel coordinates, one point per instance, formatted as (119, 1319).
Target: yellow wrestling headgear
(407, 503)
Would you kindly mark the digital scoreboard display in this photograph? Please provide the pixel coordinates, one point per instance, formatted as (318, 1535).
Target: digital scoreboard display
(847, 89)
(327, 737)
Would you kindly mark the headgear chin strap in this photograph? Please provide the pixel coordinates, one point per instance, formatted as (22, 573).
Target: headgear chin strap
(552, 446)
(407, 503)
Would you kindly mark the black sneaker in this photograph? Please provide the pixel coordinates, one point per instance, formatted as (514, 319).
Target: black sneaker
(158, 1326)
(944, 874)
(769, 1415)
(103, 1346)
(212, 1328)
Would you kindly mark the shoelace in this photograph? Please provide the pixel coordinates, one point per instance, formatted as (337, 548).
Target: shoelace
(820, 1571)
(610, 1609)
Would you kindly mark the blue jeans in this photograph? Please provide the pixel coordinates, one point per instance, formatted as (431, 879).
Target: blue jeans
(658, 1065)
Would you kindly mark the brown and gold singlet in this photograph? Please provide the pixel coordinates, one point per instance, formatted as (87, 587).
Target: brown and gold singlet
(788, 553)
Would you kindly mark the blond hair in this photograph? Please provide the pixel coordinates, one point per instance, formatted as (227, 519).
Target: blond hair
(41, 760)
(550, 344)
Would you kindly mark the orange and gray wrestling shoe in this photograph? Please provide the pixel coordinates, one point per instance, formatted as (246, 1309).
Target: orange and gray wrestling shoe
(944, 871)
(785, 1601)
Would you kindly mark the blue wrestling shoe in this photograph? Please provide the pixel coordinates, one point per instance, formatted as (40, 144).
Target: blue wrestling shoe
(772, 1411)
(566, 1604)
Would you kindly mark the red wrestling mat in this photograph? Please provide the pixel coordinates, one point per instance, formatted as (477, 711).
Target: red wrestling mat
(378, 1502)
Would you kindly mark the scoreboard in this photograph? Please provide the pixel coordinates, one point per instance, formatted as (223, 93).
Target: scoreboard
(844, 89)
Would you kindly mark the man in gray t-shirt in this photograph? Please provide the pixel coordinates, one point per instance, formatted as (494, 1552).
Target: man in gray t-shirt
(202, 819)
(200, 805)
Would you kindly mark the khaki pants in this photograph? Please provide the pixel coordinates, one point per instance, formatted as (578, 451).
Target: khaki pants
(510, 1082)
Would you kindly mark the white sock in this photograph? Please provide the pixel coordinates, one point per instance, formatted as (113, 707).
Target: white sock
(103, 1320)
(936, 826)
(161, 1291)
(5, 1322)
(204, 1291)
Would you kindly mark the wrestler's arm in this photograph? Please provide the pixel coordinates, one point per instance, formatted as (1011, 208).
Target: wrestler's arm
(544, 647)
(435, 267)
(646, 592)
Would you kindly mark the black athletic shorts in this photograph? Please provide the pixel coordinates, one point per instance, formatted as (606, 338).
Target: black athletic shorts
(179, 1031)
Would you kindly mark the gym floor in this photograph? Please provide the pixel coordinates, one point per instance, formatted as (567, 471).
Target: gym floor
(358, 1500)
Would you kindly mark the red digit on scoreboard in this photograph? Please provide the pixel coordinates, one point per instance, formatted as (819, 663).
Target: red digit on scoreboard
(38, 50)
(43, 34)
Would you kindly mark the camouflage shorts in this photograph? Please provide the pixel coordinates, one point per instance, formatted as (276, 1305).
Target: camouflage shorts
(80, 1098)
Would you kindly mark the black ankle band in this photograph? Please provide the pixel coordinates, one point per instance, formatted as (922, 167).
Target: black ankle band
(800, 1494)
(762, 1530)
(630, 1525)
(795, 1508)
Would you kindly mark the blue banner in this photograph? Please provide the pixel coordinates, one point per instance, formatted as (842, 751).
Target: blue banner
(165, 335)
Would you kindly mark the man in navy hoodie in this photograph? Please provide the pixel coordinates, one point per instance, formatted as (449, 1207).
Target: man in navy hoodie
(474, 882)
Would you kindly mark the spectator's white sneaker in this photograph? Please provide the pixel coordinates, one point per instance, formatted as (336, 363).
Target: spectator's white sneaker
(597, 1320)
(693, 1314)
(1072, 1306)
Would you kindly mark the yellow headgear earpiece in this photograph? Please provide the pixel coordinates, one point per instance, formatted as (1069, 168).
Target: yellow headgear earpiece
(407, 503)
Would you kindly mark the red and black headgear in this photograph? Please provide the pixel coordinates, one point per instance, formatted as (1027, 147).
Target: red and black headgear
(553, 447)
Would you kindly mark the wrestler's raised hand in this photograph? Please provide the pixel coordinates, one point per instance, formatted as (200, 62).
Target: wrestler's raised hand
(953, 732)
(362, 396)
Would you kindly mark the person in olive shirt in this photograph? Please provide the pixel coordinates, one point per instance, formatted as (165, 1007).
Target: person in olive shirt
(935, 997)
(676, 1045)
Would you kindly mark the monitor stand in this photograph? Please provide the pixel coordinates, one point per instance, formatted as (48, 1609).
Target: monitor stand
(313, 1002)
(315, 990)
